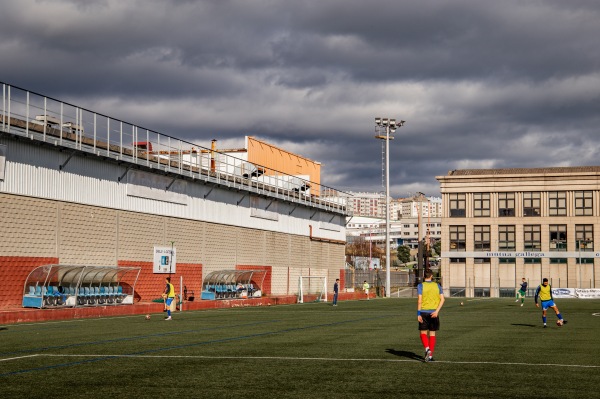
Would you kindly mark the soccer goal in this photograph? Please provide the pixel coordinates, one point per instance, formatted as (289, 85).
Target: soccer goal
(312, 289)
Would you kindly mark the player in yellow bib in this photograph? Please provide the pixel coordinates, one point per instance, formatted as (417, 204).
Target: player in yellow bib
(169, 295)
(544, 292)
(430, 302)
(366, 287)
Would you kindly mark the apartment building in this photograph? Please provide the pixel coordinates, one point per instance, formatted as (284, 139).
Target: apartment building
(369, 205)
(500, 225)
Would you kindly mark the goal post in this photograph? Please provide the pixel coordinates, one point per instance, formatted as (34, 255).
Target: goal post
(312, 289)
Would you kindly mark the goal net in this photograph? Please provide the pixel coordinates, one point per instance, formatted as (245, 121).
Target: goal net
(312, 289)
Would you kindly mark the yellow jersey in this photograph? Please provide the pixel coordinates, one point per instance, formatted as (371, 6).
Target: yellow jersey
(430, 295)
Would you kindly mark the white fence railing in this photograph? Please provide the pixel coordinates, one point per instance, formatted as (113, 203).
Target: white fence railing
(58, 123)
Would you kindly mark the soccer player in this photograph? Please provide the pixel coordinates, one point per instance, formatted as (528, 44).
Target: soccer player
(169, 295)
(366, 289)
(522, 291)
(430, 302)
(336, 290)
(544, 291)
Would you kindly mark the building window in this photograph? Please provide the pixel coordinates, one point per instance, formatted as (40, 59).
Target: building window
(531, 204)
(458, 204)
(558, 237)
(482, 238)
(507, 260)
(458, 237)
(584, 237)
(506, 204)
(531, 261)
(557, 203)
(506, 238)
(558, 261)
(583, 203)
(481, 204)
(532, 237)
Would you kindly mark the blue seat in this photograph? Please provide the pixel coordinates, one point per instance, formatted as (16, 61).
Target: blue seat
(59, 298)
(112, 294)
(101, 295)
(81, 298)
(231, 291)
(38, 290)
(95, 292)
(88, 295)
(120, 294)
(31, 290)
(48, 295)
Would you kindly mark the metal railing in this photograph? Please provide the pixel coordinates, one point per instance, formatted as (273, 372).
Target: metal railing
(41, 118)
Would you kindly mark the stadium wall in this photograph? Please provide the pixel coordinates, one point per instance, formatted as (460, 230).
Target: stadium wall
(61, 208)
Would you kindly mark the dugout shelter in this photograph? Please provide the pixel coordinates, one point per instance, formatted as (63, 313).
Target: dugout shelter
(231, 284)
(51, 286)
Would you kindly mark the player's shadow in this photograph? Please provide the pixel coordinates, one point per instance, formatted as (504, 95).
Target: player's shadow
(522, 325)
(406, 354)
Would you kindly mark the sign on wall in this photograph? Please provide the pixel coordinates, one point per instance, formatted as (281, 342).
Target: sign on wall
(153, 186)
(362, 263)
(165, 260)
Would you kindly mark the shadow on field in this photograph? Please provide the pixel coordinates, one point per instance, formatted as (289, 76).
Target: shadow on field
(3, 328)
(523, 325)
(409, 355)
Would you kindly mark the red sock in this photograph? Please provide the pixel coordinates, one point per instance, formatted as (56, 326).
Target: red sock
(432, 343)
(425, 340)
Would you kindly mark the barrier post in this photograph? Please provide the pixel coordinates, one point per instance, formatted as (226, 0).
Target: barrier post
(181, 293)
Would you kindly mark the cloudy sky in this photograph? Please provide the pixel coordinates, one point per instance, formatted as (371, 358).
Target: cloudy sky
(481, 84)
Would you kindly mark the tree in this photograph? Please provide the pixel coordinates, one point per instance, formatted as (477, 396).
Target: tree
(437, 247)
(360, 247)
(404, 254)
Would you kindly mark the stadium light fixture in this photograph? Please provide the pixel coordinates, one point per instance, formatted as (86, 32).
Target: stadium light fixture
(390, 126)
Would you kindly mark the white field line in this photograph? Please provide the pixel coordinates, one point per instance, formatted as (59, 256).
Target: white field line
(318, 359)
(17, 358)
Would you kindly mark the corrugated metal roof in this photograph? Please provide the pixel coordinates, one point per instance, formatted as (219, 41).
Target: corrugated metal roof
(525, 171)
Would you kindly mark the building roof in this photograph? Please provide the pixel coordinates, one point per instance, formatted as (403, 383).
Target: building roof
(526, 171)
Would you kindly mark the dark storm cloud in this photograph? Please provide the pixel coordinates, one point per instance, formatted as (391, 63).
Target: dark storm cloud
(481, 84)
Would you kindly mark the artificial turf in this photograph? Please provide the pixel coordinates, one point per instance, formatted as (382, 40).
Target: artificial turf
(359, 349)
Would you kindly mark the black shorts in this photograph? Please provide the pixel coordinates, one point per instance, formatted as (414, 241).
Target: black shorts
(429, 323)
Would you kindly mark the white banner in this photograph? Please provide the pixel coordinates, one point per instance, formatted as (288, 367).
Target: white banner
(581, 293)
(587, 293)
(165, 260)
(563, 293)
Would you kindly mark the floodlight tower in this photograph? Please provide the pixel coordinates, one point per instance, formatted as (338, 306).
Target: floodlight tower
(383, 128)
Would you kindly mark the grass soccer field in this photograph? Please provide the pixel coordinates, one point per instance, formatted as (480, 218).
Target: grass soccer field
(360, 349)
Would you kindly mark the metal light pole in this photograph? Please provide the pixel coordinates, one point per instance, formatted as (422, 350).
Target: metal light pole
(390, 126)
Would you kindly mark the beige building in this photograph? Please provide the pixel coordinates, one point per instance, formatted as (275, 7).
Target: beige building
(500, 225)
